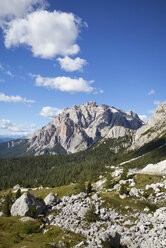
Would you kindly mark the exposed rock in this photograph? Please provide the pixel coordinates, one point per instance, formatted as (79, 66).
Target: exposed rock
(159, 168)
(77, 128)
(153, 129)
(26, 218)
(17, 186)
(24, 204)
(112, 239)
(51, 199)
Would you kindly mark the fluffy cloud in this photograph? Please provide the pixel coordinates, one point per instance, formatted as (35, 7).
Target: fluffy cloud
(156, 102)
(15, 128)
(151, 92)
(1, 67)
(50, 112)
(144, 118)
(5, 98)
(47, 34)
(68, 64)
(66, 84)
(17, 8)
(10, 74)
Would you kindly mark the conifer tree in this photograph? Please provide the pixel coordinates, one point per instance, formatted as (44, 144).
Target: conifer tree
(89, 188)
(18, 193)
(6, 206)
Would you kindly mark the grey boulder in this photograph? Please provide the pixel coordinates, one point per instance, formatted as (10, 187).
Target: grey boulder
(24, 204)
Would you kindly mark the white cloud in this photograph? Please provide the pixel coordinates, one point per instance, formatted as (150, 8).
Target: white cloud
(151, 111)
(156, 102)
(68, 64)
(66, 84)
(151, 92)
(17, 8)
(9, 73)
(5, 98)
(47, 34)
(1, 67)
(2, 80)
(50, 112)
(144, 118)
(15, 128)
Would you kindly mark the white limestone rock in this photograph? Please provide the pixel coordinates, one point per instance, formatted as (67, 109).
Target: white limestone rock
(159, 168)
(17, 186)
(51, 199)
(23, 205)
(77, 128)
(153, 129)
(26, 218)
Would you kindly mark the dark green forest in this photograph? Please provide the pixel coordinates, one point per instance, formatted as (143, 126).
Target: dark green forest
(61, 169)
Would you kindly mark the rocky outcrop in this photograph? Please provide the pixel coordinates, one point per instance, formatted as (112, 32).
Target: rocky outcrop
(77, 128)
(155, 128)
(112, 229)
(51, 199)
(24, 204)
(159, 168)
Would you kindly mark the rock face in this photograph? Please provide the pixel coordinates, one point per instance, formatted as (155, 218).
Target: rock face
(50, 199)
(77, 128)
(155, 128)
(24, 204)
(159, 168)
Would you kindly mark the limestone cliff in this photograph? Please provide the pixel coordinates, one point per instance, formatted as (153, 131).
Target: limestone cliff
(77, 128)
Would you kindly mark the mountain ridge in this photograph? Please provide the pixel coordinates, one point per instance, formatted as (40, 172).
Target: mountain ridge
(79, 127)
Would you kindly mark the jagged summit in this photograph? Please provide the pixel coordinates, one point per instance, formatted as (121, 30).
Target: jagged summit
(78, 127)
(155, 128)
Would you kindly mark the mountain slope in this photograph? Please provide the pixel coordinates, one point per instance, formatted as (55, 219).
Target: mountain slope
(154, 129)
(75, 129)
(79, 127)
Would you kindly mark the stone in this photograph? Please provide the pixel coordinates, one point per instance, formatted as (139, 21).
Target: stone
(26, 218)
(24, 204)
(51, 199)
(134, 192)
(113, 239)
(17, 186)
(83, 212)
(80, 244)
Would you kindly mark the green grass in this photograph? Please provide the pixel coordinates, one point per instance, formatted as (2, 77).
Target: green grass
(112, 200)
(15, 234)
(142, 180)
(60, 191)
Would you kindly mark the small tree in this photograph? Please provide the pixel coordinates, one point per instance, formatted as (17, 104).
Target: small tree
(109, 182)
(33, 213)
(124, 174)
(91, 216)
(18, 193)
(81, 185)
(89, 188)
(123, 190)
(7, 206)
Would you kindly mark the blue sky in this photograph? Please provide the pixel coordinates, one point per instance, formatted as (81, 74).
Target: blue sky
(57, 53)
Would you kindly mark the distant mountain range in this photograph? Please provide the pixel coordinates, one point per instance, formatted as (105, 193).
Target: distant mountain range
(80, 127)
(5, 138)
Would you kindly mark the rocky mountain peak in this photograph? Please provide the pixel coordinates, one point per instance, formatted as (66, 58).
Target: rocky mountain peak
(154, 128)
(78, 127)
